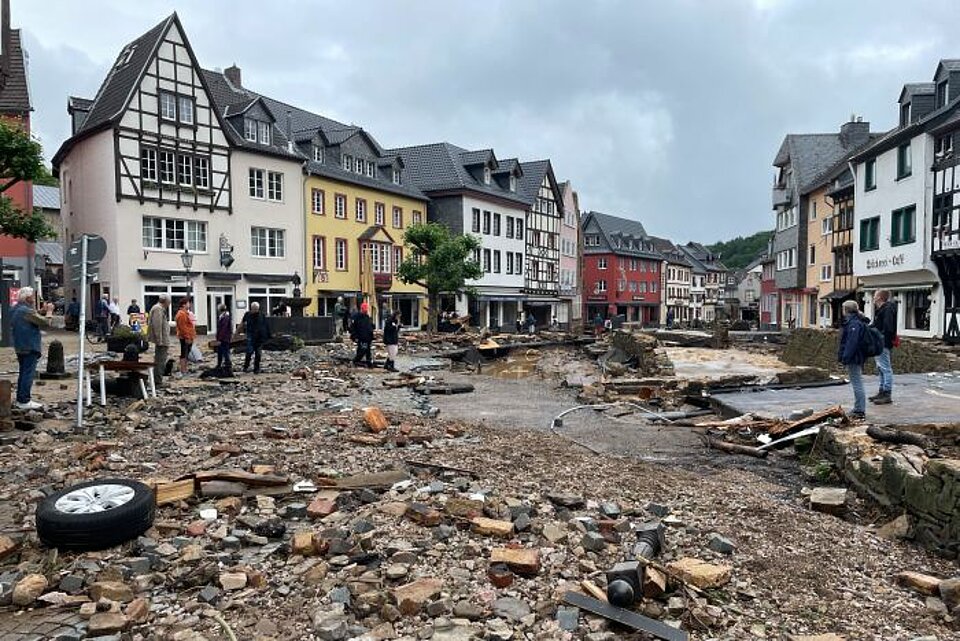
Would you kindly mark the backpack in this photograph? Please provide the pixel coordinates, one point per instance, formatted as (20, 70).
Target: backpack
(871, 341)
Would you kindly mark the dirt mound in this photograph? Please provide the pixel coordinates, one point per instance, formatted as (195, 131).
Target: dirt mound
(818, 348)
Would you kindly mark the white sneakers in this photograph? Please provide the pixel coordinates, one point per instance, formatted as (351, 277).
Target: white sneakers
(29, 405)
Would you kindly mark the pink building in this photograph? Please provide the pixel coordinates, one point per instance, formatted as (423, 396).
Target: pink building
(570, 310)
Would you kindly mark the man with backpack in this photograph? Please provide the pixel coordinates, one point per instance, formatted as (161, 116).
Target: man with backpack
(851, 354)
(885, 320)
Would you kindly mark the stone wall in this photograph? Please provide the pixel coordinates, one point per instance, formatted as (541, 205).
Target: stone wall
(644, 350)
(928, 490)
(818, 348)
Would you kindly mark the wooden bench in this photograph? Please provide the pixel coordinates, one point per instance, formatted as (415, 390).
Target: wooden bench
(102, 367)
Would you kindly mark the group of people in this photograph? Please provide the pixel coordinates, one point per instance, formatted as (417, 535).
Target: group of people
(360, 327)
(852, 355)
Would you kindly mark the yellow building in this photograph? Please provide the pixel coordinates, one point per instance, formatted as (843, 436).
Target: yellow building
(357, 208)
(819, 257)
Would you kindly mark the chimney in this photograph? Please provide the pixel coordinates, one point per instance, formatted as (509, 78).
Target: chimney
(855, 132)
(6, 36)
(289, 131)
(233, 75)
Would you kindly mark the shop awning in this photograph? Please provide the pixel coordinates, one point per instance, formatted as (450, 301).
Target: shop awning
(500, 298)
(838, 294)
(269, 278)
(221, 276)
(165, 274)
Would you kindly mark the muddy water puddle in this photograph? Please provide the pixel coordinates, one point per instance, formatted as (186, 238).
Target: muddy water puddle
(542, 363)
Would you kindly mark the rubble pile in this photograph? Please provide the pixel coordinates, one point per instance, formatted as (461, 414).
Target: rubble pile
(304, 504)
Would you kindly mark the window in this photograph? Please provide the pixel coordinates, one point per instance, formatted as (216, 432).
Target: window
(185, 106)
(870, 175)
(185, 170)
(601, 286)
(263, 132)
(319, 252)
(148, 164)
(943, 147)
(475, 226)
(601, 263)
(417, 217)
(812, 210)
(509, 261)
(813, 255)
(496, 261)
(826, 226)
(397, 258)
(361, 210)
(316, 197)
(379, 214)
(486, 222)
(346, 162)
(519, 230)
(396, 176)
(371, 169)
(904, 168)
(905, 114)
(340, 206)
(787, 218)
(398, 217)
(340, 258)
(496, 224)
(250, 129)
(486, 261)
(168, 233)
(870, 234)
(317, 153)
(486, 175)
(916, 304)
(168, 106)
(256, 183)
(517, 263)
(167, 174)
(358, 166)
(513, 183)
(267, 242)
(826, 272)
(786, 259)
(378, 255)
(201, 167)
(902, 226)
(943, 92)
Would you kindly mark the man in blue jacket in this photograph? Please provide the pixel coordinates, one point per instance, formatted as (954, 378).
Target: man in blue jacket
(852, 357)
(25, 324)
(885, 319)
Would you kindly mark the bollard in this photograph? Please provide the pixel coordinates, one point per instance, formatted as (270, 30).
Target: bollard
(6, 401)
(56, 365)
(625, 580)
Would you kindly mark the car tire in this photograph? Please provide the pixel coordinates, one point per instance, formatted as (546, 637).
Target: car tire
(95, 515)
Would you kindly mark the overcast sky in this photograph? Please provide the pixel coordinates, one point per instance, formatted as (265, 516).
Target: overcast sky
(666, 112)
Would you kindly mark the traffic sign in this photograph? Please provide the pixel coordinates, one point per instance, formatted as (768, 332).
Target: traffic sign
(93, 275)
(96, 250)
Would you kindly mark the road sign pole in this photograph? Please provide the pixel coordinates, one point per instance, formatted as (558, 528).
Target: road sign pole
(81, 363)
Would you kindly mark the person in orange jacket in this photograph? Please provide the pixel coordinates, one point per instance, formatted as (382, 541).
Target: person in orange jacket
(186, 332)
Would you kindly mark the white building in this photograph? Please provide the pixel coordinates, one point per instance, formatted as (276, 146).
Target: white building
(159, 168)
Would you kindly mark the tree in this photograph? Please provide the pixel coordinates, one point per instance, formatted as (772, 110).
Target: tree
(740, 252)
(438, 262)
(20, 161)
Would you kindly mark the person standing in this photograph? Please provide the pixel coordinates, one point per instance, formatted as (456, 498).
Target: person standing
(158, 333)
(133, 307)
(186, 332)
(224, 340)
(257, 330)
(851, 355)
(340, 316)
(531, 323)
(598, 325)
(72, 317)
(25, 325)
(885, 320)
(391, 339)
(103, 318)
(362, 332)
(114, 309)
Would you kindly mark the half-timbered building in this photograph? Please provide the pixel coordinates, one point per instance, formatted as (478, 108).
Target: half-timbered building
(541, 286)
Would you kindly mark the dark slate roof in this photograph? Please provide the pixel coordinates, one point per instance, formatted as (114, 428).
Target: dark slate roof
(704, 256)
(52, 249)
(917, 89)
(809, 155)
(122, 80)
(950, 64)
(897, 135)
(334, 171)
(46, 197)
(615, 227)
(15, 92)
(837, 169)
(507, 165)
(670, 251)
(232, 101)
(529, 184)
(440, 167)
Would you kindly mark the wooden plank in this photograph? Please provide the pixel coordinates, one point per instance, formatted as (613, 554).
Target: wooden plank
(734, 448)
(172, 492)
(817, 417)
(239, 476)
(371, 481)
(625, 617)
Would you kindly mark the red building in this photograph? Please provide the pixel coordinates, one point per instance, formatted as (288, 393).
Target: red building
(16, 253)
(621, 269)
(769, 299)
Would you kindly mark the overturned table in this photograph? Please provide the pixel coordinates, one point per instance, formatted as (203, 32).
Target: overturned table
(102, 367)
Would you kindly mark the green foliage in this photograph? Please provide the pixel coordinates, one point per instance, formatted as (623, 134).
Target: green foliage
(740, 252)
(438, 261)
(46, 178)
(20, 160)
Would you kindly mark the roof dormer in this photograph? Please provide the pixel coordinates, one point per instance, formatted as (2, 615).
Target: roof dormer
(947, 81)
(917, 99)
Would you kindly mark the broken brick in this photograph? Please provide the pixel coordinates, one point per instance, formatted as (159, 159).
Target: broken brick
(520, 560)
(375, 420)
(491, 527)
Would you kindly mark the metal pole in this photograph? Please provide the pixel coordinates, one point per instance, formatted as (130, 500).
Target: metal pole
(82, 330)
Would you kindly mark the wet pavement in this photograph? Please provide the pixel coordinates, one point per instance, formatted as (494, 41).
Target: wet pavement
(917, 399)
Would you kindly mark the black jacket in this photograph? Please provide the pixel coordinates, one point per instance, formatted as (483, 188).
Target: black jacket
(391, 332)
(362, 328)
(885, 319)
(256, 327)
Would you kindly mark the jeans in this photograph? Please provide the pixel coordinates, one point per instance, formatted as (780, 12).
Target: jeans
(254, 349)
(364, 353)
(223, 356)
(28, 367)
(855, 372)
(885, 370)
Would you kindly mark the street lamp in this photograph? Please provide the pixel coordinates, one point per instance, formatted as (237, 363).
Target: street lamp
(187, 259)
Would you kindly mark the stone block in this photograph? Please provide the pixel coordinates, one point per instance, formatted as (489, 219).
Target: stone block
(410, 598)
(520, 560)
(491, 527)
(700, 573)
(922, 583)
(832, 500)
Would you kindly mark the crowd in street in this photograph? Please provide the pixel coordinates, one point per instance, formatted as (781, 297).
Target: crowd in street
(862, 339)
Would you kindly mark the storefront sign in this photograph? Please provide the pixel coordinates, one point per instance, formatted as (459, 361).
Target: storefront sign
(883, 263)
(949, 243)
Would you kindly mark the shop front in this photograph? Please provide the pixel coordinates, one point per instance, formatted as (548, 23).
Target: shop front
(919, 299)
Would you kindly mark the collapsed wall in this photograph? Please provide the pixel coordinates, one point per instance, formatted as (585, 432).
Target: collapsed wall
(818, 348)
(643, 351)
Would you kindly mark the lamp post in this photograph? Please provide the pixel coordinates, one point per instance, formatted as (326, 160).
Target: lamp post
(296, 285)
(187, 259)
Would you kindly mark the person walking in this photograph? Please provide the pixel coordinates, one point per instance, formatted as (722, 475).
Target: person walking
(25, 325)
(71, 319)
(257, 330)
(114, 308)
(340, 314)
(598, 325)
(158, 333)
(391, 339)
(224, 340)
(851, 355)
(362, 333)
(885, 320)
(186, 332)
(531, 323)
(103, 318)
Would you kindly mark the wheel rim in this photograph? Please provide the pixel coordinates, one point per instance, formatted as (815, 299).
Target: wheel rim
(94, 498)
